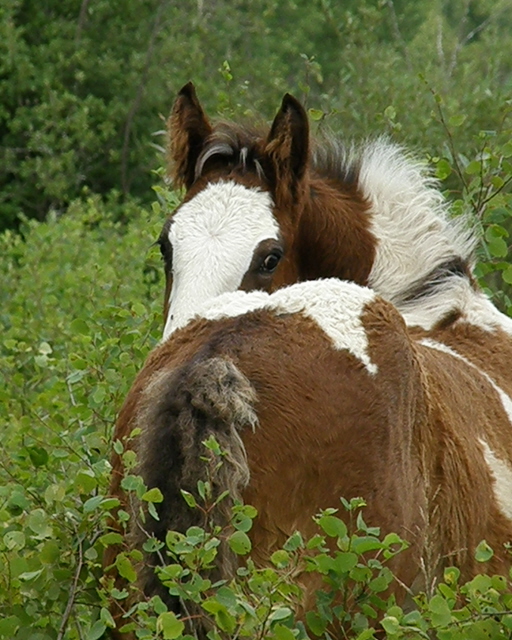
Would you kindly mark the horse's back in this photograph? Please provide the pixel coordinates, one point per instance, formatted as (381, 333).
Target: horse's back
(337, 393)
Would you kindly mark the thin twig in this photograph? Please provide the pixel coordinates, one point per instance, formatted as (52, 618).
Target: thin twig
(398, 34)
(138, 96)
(72, 593)
(82, 17)
(451, 142)
(469, 37)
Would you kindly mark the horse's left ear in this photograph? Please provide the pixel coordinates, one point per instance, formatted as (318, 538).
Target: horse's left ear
(287, 145)
(188, 129)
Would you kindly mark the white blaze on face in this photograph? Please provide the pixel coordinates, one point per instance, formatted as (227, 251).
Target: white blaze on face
(213, 237)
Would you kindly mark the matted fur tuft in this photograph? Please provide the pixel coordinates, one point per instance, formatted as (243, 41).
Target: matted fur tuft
(181, 408)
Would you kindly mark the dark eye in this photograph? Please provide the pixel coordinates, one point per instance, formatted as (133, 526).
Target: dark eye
(270, 262)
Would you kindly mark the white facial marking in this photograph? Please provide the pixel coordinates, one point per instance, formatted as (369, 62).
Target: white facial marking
(502, 475)
(213, 237)
(335, 305)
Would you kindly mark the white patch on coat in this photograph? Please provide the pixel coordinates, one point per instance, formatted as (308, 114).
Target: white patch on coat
(502, 474)
(506, 402)
(458, 294)
(481, 312)
(213, 237)
(335, 305)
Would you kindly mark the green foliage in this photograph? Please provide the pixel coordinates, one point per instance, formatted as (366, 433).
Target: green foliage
(83, 89)
(480, 185)
(78, 316)
(85, 85)
(357, 600)
(79, 312)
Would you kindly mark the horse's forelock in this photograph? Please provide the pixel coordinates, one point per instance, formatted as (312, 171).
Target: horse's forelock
(238, 146)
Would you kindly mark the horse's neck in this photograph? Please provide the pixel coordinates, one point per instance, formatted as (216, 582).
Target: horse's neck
(334, 238)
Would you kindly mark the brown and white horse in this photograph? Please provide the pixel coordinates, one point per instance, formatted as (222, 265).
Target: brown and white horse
(265, 210)
(395, 386)
(316, 391)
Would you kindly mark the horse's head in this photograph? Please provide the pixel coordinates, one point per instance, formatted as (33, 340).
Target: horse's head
(236, 226)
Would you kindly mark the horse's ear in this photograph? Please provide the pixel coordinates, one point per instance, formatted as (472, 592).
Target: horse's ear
(287, 145)
(188, 128)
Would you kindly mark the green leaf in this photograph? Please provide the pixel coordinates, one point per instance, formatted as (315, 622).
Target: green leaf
(316, 623)
(118, 447)
(189, 499)
(474, 167)
(76, 376)
(363, 544)
(316, 114)
(132, 483)
(223, 619)
(9, 626)
(280, 558)
(85, 481)
(96, 631)
(281, 613)
(507, 275)
(111, 538)
(390, 625)
(99, 394)
(390, 112)
(240, 543)
(451, 575)
(30, 575)
(125, 567)
(332, 526)
(153, 495)
(483, 552)
(38, 456)
(480, 584)
(79, 326)
(139, 309)
(379, 584)
(498, 247)
(170, 625)
(344, 562)
(506, 151)
(440, 611)
(281, 632)
(92, 504)
(106, 618)
(226, 596)
(457, 120)
(294, 542)
(212, 445)
(443, 169)
(39, 524)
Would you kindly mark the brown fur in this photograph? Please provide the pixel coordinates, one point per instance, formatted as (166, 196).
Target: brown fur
(406, 438)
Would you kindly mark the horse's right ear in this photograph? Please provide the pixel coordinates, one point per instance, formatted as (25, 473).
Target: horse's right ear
(188, 128)
(287, 146)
